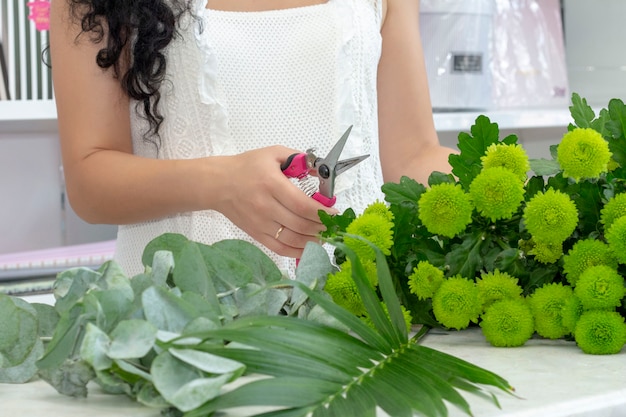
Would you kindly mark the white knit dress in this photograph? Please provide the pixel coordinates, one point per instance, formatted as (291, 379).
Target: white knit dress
(244, 80)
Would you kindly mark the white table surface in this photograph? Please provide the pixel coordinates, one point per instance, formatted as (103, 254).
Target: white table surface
(552, 378)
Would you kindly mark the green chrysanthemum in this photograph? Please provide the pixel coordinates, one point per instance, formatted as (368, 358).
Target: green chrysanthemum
(495, 286)
(583, 153)
(406, 313)
(547, 252)
(496, 193)
(508, 323)
(373, 227)
(425, 280)
(551, 216)
(379, 208)
(343, 290)
(571, 312)
(445, 209)
(600, 287)
(600, 332)
(584, 254)
(512, 157)
(613, 210)
(456, 303)
(616, 239)
(547, 305)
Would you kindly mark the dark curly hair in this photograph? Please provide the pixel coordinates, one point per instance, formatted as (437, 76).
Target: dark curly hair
(135, 33)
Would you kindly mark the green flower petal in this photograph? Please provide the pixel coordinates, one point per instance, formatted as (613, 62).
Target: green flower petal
(379, 208)
(584, 254)
(508, 323)
(547, 252)
(495, 286)
(600, 332)
(512, 157)
(551, 216)
(373, 227)
(613, 210)
(497, 193)
(616, 239)
(425, 280)
(547, 305)
(600, 287)
(583, 153)
(456, 303)
(445, 209)
(343, 290)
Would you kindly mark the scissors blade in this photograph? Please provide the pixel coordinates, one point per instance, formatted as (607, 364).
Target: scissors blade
(346, 164)
(333, 156)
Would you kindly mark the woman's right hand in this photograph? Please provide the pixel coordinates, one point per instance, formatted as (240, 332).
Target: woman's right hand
(257, 197)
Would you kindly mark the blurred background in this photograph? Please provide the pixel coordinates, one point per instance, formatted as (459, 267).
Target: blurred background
(516, 61)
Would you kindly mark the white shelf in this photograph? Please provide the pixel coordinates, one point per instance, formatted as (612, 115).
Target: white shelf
(40, 116)
(510, 119)
(20, 116)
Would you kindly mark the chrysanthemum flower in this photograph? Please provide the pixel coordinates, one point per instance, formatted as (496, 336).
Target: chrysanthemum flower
(613, 210)
(551, 216)
(496, 193)
(380, 208)
(600, 332)
(512, 157)
(343, 290)
(583, 153)
(508, 322)
(495, 286)
(546, 252)
(584, 254)
(425, 280)
(405, 313)
(373, 227)
(600, 287)
(571, 312)
(456, 303)
(547, 304)
(445, 209)
(616, 238)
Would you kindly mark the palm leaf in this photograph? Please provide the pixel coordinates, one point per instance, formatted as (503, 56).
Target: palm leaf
(313, 369)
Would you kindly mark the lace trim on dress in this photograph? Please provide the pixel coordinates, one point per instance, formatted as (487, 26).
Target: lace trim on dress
(208, 89)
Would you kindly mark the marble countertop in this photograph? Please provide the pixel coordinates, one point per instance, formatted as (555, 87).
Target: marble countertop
(552, 378)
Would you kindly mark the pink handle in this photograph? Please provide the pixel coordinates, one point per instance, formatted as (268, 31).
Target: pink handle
(328, 202)
(295, 166)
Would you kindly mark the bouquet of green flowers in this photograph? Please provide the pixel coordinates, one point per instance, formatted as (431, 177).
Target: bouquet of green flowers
(520, 247)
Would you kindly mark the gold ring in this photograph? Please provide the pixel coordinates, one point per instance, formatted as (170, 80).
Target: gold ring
(279, 231)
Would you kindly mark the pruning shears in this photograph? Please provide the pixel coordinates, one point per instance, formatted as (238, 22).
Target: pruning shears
(307, 164)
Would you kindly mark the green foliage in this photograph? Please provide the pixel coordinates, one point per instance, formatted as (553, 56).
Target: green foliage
(536, 235)
(212, 327)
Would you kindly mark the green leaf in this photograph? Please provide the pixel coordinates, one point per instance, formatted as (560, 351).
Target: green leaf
(312, 271)
(581, 112)
(208, 362)
(407, 190)
(617, 128)
(66, 339)
(94, 348)
(70, 378)
(18, 330)
(464, 258)
(467, 163)
(165, 310)
(170, 242)
(544, 166)
(182, 385)
(132, 339)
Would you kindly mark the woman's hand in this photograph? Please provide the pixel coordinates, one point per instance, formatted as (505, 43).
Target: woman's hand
(263, 202)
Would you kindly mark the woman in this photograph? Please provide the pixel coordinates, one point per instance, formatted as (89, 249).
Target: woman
(175, 115)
